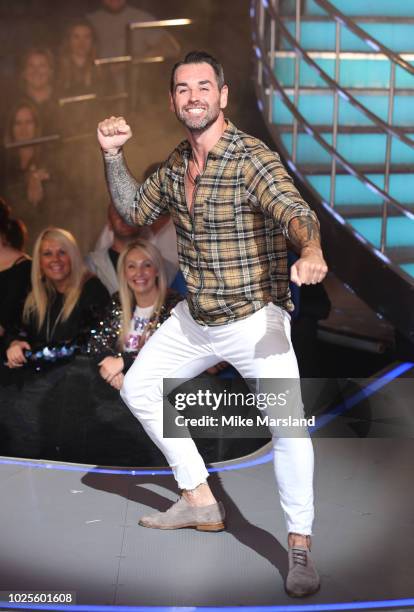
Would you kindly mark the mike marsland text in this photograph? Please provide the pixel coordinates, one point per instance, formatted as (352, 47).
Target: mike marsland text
(260, 420)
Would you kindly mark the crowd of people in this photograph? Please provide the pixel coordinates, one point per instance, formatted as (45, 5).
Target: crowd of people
(71, 287)
(64, 292)
(54, 95)
(58, 263)
(53, 306)
(55, 311)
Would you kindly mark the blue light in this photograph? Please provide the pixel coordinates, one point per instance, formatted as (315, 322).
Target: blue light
(370, 389)
(382, 256)
(409, 214)
(360, 238)
(258, 52)
(355, 605)
(338, 217)
(260, 105)
(372, 44)
(265, 3)
(349, 287)
(373, 188)
(361, 605)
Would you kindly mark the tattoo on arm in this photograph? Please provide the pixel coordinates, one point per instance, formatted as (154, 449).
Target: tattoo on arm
(304, 232)
(122, 185)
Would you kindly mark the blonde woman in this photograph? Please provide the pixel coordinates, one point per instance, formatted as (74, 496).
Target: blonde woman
(142, 304)
(64, 303)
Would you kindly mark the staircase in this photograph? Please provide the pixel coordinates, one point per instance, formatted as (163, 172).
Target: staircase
(335, 83)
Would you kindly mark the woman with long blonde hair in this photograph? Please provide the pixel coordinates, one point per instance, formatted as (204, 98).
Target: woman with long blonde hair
(64, 302)
(142, 304)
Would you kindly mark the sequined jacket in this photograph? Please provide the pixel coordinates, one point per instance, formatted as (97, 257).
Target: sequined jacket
(104, 339)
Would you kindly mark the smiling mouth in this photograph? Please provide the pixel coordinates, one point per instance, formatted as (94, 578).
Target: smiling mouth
(195, 111)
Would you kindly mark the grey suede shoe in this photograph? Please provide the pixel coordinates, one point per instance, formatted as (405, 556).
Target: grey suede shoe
(182, 514)
(303, 578)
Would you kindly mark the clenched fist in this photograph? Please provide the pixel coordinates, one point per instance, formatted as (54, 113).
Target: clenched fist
(113, 133)
(310, 268)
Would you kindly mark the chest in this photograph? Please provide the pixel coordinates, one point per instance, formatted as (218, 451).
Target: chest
(189, 190)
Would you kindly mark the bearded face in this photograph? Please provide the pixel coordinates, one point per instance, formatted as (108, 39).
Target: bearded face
(197, 100)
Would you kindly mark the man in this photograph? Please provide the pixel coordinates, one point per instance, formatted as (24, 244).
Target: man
(233, 206)
(103, 261)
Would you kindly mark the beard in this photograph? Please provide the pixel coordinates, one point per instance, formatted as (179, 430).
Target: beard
(198, 124)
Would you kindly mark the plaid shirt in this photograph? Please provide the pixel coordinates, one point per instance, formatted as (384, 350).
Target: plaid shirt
(232, 246)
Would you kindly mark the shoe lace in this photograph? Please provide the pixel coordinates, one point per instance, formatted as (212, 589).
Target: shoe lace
(299, 556)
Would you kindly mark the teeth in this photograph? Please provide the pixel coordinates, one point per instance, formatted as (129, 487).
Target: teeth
(195, 111)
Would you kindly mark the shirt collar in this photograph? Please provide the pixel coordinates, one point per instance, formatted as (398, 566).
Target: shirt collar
(225, 147)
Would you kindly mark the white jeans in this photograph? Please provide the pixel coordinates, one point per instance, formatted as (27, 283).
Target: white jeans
(258, 347)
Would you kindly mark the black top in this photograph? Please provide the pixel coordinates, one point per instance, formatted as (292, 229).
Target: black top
(105, 337)
(14, 287)
(93, 299)
(113, 256)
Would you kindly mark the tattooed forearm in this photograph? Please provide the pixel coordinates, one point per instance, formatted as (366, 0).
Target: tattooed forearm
(122, 185)
(304, 232)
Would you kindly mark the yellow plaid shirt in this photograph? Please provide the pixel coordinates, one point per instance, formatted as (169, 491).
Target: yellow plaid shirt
(232, 246)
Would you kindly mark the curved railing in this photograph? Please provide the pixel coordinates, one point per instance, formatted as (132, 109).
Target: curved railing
(264, 18)
(362, 34)
(386, 127)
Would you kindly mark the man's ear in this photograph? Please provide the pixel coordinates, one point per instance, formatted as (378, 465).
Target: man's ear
(224, 95)
(172, 108)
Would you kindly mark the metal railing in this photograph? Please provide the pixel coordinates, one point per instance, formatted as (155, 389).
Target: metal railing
(265, 17)
(130, 60)
(395, 60)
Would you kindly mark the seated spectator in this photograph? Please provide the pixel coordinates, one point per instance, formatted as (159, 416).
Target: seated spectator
(32, 179)
(37, 87)
(64, 304)
(142, 304)
(103, 261)
(15, 266)
(78, 76)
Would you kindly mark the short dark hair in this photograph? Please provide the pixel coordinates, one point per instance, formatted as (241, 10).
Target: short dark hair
(200, 57)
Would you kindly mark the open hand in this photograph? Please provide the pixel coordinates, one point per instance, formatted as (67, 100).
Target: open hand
(35, 191)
